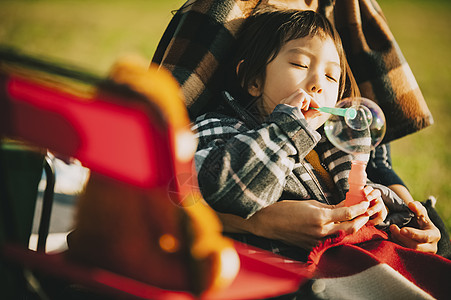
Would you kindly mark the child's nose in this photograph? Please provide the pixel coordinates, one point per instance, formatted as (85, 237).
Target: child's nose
(314, 85)
(316, 89)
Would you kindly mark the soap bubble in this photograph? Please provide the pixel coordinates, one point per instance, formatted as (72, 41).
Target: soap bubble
(357, 132)
(360, 119)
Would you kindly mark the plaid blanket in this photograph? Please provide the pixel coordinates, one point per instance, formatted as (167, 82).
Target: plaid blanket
(201, 34)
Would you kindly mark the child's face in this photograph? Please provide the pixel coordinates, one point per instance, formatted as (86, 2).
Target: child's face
(309, 63)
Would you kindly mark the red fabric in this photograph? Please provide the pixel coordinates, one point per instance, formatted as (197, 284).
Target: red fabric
(347, 255)
(262, 275)
(109, 138)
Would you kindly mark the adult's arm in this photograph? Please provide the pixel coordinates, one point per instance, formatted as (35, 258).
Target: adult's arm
(380, 169)
(402, 192)
(299, 223)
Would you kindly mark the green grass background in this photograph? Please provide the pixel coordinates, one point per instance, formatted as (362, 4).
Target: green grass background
(93, 34)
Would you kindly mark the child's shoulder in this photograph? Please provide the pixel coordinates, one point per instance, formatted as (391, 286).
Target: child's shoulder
(216, 119)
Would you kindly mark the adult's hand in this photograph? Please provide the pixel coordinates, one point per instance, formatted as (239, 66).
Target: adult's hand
(300, 223)
(424, 238)
(377, 210)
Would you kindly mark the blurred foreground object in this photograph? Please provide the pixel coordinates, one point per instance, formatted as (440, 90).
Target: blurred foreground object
(142, 228)
(160, 233)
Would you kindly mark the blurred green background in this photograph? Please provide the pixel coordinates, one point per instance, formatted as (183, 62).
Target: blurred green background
(93, 34)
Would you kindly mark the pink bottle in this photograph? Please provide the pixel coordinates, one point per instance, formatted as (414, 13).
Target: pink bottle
(357, 181)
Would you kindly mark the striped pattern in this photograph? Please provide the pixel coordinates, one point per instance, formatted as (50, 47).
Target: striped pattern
(202, 33)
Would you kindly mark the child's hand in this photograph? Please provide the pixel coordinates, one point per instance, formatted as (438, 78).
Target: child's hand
(303, 102)
(377, 211)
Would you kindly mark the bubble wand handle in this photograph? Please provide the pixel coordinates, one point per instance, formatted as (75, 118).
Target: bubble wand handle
(357, 181)
(343, 112)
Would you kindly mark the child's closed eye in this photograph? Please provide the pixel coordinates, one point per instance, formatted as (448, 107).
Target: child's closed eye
(298, 65)
(332, 78)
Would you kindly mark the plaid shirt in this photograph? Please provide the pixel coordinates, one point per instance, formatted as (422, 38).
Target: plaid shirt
(242, 170)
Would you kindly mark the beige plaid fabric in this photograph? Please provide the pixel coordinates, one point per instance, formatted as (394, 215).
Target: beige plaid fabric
(202, 33)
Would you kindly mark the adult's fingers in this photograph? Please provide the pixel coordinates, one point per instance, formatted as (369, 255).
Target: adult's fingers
(419, 235)
(427, 247)
(427, 231)
(341, 213)
(349, 227)
(401, 239)
(421, 214)
(377, 213)
(376, 207)
(371, 193)
(398, 236)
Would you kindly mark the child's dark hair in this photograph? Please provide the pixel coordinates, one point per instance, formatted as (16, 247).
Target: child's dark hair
(265, 32)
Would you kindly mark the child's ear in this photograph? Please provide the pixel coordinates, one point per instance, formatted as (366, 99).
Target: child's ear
(254, 89)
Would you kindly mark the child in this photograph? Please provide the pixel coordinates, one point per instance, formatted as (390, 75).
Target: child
(273, 152)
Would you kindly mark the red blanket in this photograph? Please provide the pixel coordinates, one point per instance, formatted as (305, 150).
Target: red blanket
(367, 265)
